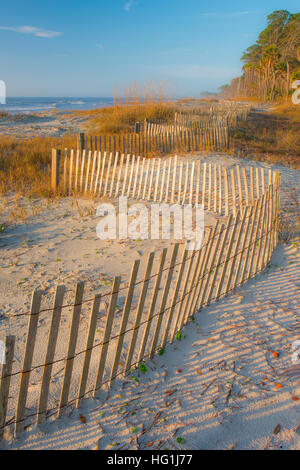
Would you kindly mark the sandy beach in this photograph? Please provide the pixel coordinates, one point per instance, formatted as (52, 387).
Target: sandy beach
(57, 123)
(219, 387)
(150, 229)
(43, 124)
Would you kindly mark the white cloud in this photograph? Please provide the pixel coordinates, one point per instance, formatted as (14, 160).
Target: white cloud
(100, 46)
(39, 32)
(128, 5)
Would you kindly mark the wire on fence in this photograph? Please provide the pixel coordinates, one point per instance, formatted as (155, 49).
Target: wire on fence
(10, 422)
(106, 294)
(153, 316)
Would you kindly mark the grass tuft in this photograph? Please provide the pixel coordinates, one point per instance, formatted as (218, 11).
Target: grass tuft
(270, 136)
(121, 119)
(25, 164)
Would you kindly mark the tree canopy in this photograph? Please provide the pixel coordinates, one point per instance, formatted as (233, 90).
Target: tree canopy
(272, 63)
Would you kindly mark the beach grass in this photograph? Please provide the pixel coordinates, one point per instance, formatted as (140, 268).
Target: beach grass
(273, 136)
(121, 118)
(25, 163)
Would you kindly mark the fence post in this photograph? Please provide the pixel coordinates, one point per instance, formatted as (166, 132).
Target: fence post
(244, 252)
(27, 360)
(81, 142)
(106, 335)
(164, 299)
(174, 301)
(88, 348)
(55, 169)
(52, 341)
(202, 273)
(124, 320)
(139, 312)
(212, 267)
(5, 380)
(69, 362)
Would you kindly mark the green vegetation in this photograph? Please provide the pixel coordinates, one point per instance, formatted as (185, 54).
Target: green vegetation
(272, 63)
(178, 336)
(143, 368)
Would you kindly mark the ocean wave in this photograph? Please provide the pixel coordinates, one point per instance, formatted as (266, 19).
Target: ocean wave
(76, 102)
(28, 108)
(31, 105)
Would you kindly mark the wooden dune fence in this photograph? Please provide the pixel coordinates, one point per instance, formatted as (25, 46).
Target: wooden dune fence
(167, 140)
(152, 128)
(198, 129)
(213, 116)
(203, 121)
(197, 120)
(166, 180)
(112, 334)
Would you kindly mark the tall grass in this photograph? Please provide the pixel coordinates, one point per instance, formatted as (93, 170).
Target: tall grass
(25, 163)
(273, 137)
(121, 119)
(290, 112)
(133, 103)
(149, 92)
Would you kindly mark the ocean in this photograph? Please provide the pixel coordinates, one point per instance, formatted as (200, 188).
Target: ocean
(35, 105)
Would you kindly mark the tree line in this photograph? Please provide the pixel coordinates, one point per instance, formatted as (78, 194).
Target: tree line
(272, 64)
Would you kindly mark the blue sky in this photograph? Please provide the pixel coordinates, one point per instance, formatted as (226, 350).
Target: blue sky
(86, 48)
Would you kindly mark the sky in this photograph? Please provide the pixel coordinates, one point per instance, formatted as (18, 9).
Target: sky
(87, 48)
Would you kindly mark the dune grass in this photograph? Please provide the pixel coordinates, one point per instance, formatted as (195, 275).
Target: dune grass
(25, 163)
(287, 111)
(270, 136)
(121, 118)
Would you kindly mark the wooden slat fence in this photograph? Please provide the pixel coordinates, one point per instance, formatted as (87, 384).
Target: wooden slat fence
(213, 116)
(159, 139)
(202, 128)
(168, 180)
(152, 128)
(139, 316)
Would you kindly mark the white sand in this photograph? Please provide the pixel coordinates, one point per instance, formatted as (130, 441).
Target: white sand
(55, 124)
(228, 344)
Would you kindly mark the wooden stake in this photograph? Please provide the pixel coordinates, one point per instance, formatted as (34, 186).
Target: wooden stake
(125, 316)
(151, 310)
(72, 347)
(107, 331)
(5, 380)
(139, 312)
(27, 361)
(174, 300)
(114, 174)
(55, 169)
(88, 348)
(52, 341)
(71, 172)
(119, 175)
(164, 299)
